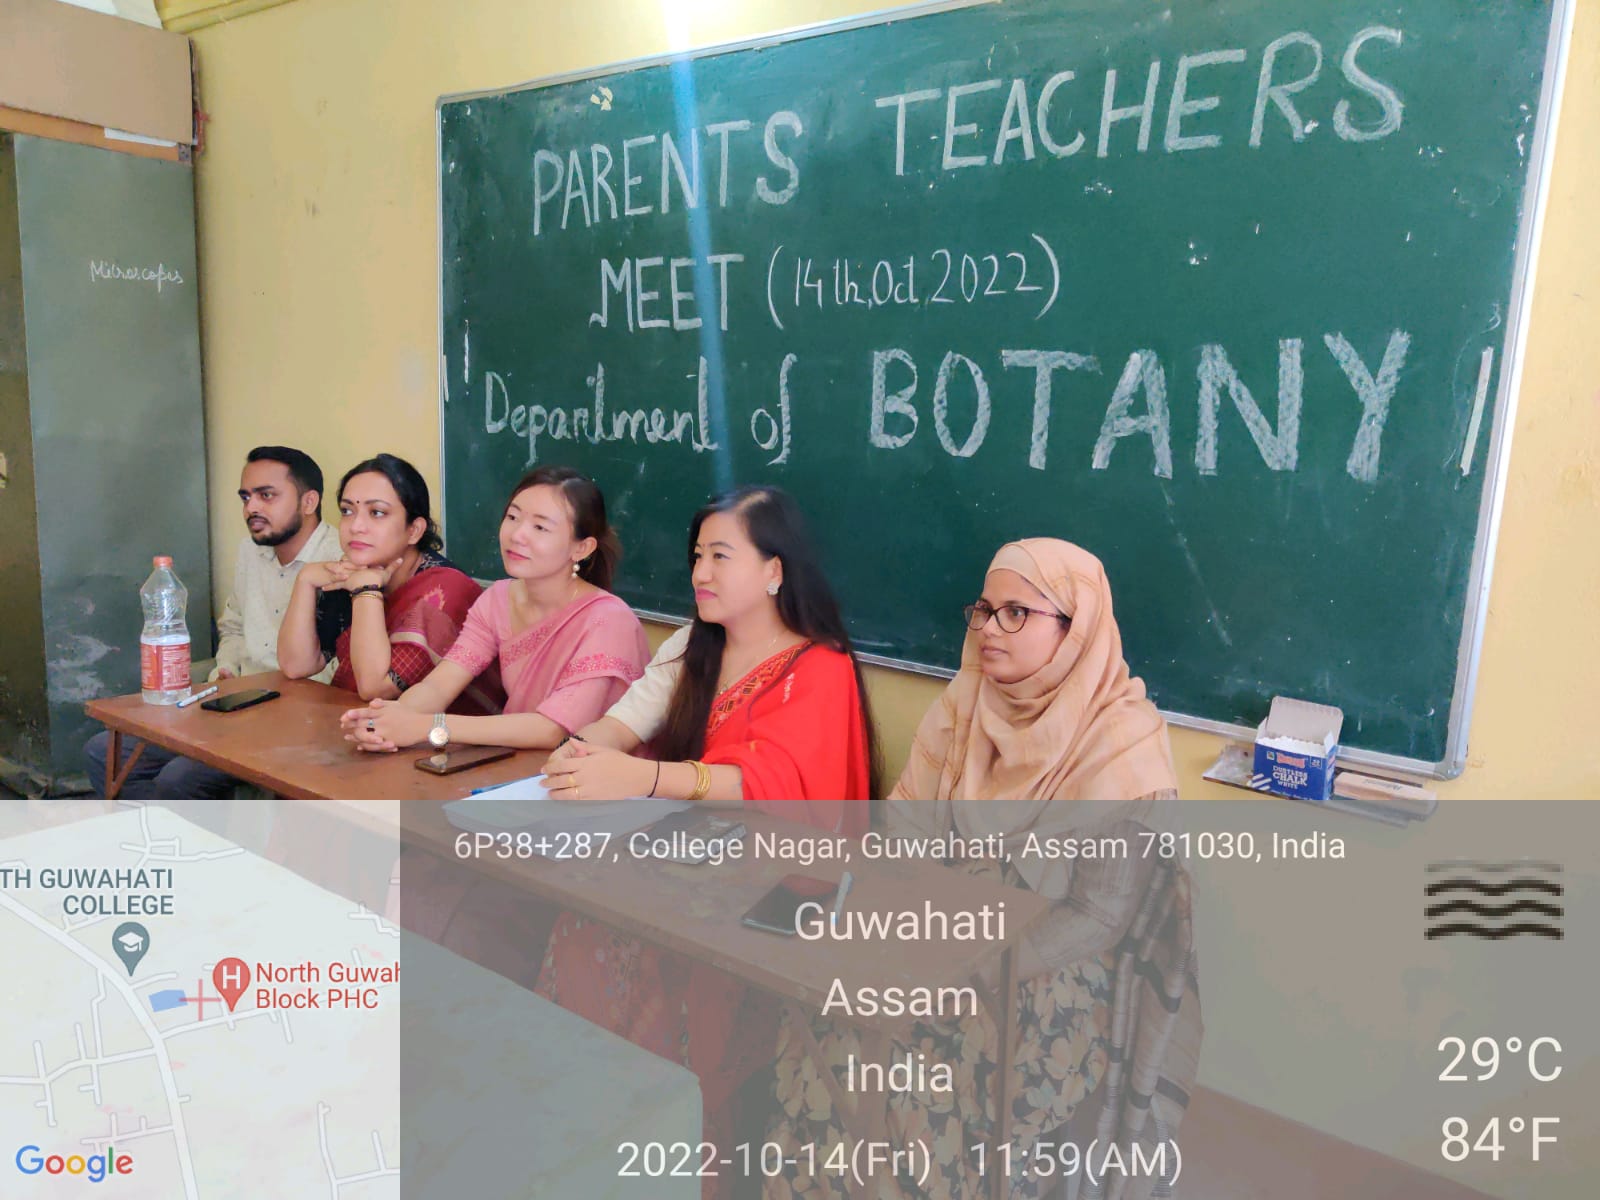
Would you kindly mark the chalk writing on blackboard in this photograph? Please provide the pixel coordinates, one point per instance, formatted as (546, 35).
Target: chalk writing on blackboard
(101, 269)
(1206, 294)
(658, 171)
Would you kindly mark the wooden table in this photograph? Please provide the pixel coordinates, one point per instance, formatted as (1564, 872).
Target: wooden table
(292, 746)
(695, 910)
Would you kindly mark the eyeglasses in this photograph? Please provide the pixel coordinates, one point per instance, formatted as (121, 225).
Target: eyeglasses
(1011, 617)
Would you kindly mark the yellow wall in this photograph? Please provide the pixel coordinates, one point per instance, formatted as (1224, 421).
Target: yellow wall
(320, 294)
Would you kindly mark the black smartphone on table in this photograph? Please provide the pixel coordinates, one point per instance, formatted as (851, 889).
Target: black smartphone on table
(775, 912)
(448, 762)
(234, 701)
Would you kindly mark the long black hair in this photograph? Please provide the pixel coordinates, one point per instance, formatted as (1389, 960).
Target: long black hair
(806, 605)
(588, 505)
(409, 486)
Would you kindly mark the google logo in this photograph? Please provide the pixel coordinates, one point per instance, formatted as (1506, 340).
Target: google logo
(96, 1166)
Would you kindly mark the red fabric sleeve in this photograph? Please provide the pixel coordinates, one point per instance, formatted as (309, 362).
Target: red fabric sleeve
(409, 662)
(801, 745)
(432, 605)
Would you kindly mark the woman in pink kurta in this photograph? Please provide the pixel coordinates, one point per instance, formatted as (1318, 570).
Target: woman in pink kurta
(566, 648)
(570, 667)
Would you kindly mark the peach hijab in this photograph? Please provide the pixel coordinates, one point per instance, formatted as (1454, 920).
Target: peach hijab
(1080, 728)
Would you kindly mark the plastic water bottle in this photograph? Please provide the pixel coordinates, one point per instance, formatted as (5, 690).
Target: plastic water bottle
(164, 644)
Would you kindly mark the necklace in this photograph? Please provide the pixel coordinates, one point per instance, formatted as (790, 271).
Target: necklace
(524, 613)
(726, 678)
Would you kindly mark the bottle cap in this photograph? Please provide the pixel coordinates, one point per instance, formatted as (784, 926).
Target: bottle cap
(162, 560)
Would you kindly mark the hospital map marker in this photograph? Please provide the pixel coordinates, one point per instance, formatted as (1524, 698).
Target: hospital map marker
(230, 977)
(131, 942)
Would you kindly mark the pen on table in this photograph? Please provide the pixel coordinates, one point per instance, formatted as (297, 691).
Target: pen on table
(210, 691)
(844, 890)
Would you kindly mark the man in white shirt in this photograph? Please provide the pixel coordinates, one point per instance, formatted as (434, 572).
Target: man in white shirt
(281, 491)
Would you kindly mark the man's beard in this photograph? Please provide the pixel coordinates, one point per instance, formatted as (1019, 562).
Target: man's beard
(279, 537)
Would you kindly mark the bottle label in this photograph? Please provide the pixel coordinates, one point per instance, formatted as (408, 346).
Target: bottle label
(164, 668)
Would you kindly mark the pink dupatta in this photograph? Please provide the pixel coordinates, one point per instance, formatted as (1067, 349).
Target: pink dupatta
(570, 667)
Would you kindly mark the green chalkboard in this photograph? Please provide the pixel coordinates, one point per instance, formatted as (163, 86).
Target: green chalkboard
(1228, 292)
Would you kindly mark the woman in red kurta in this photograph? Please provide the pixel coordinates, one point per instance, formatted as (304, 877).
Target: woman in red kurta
(390, 609)
(767, 710)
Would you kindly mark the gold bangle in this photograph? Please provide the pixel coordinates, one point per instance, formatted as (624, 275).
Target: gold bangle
(702, 781)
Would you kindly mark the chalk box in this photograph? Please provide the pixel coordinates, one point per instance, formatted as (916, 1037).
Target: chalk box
(1296, 749)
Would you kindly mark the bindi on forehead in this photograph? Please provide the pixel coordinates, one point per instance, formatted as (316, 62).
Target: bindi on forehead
(370, 488)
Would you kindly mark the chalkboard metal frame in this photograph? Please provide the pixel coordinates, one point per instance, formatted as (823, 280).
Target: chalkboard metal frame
(1540, 164)
(1502, 413)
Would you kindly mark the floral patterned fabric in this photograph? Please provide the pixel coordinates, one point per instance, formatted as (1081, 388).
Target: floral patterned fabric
(1063, 1023)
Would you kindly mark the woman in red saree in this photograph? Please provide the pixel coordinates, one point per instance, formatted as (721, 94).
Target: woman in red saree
(767, 710)
(391, 608)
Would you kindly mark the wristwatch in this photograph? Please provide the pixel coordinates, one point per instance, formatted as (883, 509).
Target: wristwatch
(439, 735)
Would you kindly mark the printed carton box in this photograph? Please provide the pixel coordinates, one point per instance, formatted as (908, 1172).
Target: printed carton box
(1296, 748)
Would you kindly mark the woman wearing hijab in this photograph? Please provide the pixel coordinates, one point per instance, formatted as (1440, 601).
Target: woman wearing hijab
(1042, 733)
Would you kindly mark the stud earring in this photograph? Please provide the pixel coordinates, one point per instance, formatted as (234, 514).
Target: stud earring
(772, 589)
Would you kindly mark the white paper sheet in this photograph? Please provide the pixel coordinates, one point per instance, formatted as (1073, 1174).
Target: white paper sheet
(526, 807)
